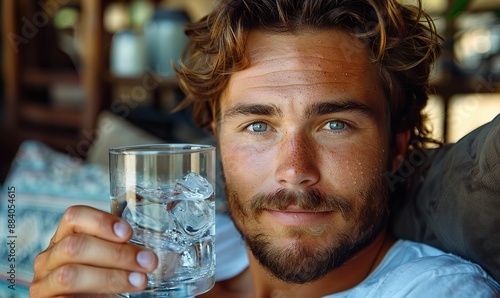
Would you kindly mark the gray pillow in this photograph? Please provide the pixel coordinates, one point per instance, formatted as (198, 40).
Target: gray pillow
(453, 202)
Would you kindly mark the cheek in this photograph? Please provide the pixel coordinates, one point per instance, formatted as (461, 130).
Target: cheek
(245, 168)
(356, 168)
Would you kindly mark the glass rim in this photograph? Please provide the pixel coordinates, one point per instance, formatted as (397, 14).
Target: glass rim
(167, 148)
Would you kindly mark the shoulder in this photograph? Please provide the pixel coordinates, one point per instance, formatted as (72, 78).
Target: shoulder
(412, 258)
(415, 269)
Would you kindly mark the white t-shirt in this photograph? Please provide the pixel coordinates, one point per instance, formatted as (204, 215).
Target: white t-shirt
(409, 269)
(413, 269)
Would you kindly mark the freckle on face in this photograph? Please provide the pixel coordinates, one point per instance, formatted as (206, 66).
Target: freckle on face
(286, 72)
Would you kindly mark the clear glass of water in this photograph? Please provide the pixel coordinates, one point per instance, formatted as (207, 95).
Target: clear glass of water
(167, 194)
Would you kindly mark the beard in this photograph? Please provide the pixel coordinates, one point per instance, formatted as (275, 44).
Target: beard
(305, 260)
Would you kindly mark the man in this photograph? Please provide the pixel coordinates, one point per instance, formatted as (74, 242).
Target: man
(312, 103)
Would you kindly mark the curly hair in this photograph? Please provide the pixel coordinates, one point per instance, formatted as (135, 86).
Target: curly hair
(401, 40)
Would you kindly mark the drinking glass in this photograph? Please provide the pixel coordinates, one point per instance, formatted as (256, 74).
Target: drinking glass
(166, 193)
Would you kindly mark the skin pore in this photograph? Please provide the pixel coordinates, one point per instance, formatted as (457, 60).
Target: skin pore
(304, 142)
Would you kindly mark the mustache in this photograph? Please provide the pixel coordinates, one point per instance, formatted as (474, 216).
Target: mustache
(312, 200)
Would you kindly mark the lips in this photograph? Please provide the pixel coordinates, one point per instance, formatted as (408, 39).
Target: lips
(295, 216)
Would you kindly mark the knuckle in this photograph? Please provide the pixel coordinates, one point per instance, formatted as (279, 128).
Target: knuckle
(71, 246)
(70, 215)
(116, 281)
(33, 289)
(118, 254)
(53, 240)
(66, 276)
(39, 262)
(103, 221)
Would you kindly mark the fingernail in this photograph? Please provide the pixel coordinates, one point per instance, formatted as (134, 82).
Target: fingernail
(136, 279)
(145, 258)
(121, 229)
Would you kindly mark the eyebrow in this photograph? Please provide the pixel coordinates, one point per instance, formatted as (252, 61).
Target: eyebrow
(317, 109)
(254, 109)
(349, 105)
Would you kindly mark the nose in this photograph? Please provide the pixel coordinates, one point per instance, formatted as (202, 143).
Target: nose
(296, 162)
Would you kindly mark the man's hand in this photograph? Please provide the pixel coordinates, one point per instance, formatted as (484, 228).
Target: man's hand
(89, 253)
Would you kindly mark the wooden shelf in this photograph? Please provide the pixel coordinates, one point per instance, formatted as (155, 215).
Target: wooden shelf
(41, 77)
(483, 5)
(26, 77)
(448, 89)
(51, 116)
(148, 79)
(35, 93)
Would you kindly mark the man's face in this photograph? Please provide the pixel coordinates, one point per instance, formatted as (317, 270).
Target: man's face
(303, 139)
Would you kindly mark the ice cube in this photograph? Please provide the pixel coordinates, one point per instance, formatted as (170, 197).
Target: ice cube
(157, 195)
(194, 187)
(194, 216)
(127, 215)
(168, 263)
(148, 215)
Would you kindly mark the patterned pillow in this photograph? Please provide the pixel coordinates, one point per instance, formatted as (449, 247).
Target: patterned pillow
(42, 183)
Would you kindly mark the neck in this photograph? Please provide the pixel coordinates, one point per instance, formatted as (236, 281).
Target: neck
(343, 278)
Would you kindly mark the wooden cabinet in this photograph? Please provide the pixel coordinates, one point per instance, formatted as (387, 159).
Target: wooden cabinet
(36, 72)
(29, 78)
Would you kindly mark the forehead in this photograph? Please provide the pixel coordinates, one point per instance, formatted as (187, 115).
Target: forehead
(332, 46)
(304, 65)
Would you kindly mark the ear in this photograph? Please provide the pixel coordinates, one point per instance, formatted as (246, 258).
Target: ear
(214, 128)
(399, 150)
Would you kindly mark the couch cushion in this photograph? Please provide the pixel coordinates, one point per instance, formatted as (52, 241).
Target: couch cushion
(454, 200)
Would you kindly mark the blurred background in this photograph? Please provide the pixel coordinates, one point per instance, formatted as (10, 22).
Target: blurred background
(80, 76)
(66, 61)
(466, 80)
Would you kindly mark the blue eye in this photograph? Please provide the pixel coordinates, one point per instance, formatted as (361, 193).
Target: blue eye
(258, 127)
(336, 125)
